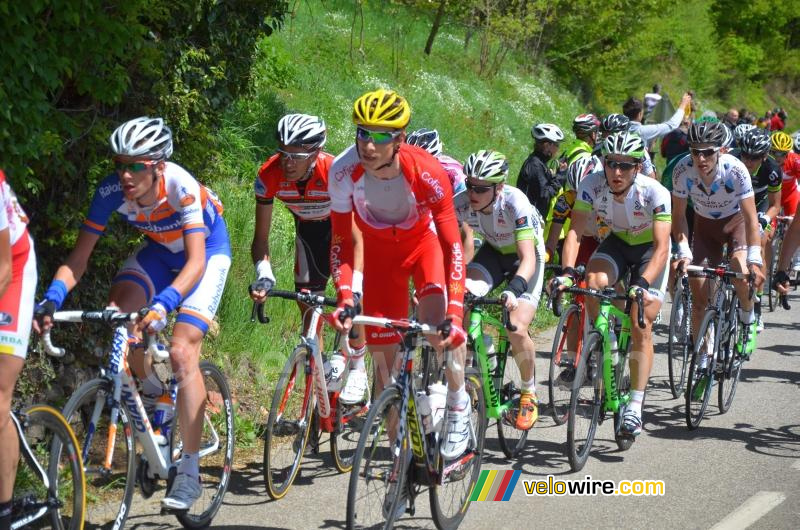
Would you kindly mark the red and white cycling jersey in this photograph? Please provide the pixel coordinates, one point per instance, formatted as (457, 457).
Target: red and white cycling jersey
(432, 211)
(183, 206)
(455, 172)
(14, 217)
(308, 201)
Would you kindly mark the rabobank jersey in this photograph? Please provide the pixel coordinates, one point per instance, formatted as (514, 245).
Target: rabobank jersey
(13, 216)
(307, 200)
(183, 206)
(720, 198)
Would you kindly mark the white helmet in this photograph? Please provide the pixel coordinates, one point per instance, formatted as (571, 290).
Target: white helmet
(796, 137)
(741, 130)
(301, 130)
(728, 140)
(547, 131)
(487, 165)
(427, 139)
(579, 169)
(144, 136)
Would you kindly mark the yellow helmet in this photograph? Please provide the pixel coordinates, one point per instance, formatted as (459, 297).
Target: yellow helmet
(782, 142)
(381, 108)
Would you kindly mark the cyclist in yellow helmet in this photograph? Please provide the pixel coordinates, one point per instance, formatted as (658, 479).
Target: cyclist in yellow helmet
(789, 162)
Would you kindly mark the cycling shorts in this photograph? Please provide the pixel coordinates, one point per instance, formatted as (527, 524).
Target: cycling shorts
(388, 265)
(153, 267)
(16, 305)
(715, 234)
(626, 258)
(496, 267)
(586, 250)
(790, 197)
(312, 248)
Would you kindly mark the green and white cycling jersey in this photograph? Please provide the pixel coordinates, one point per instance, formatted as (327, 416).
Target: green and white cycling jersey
(512, 218)
(632, 221)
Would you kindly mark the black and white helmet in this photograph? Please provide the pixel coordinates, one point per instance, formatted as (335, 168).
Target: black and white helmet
(741, 130)
(301, 130)
(427, 139)
(728, 141)
(487, 165)
(579, 169)
(547, 131)
(624, 143)
(707, 132)
(585, 123)
(755, 142)
(614, 123)
(142, 137)
(796, 138)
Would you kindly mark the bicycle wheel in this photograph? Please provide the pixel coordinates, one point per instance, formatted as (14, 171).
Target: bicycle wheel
(109, 489)
(729, 368)
(288, 424)
(47, 445)
(699, 382)
(350, 421)
(585, 402)
(378, 477)
(772, 296)
(623, 376)
(216, 448)
(560, 361)
(511, 439)
(450, 500)
(679, 340)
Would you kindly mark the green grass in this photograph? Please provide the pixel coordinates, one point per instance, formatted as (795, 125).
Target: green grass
(307, 68)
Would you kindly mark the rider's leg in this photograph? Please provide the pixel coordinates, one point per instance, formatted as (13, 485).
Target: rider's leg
(10, 368)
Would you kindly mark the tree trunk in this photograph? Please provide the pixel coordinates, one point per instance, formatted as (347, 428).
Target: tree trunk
(435, 29)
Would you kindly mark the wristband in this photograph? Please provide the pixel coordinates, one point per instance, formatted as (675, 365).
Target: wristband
(358, 281)
(264, 270)
(683, 250)
(518, 285)
(170, 298)
(754, 255)
(642, 282)
(56, 293)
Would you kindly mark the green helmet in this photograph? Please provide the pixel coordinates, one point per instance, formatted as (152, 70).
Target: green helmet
(487, 165)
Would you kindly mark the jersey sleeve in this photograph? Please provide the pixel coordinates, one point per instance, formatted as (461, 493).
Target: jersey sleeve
(107, 198)
(5, 202)
(679, 174)
(774, 179)
(742, 182)
(266, 181)
(521, 212)
(340, 181)
(186, 197)
(584, 200)
(662, 204)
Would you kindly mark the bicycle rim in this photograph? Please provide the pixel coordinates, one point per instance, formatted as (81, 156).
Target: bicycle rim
(696, 403)
(731, 368)
(109, 491)
(450, 501)
(623, 375)
(216, 448)
(511, 439)
(585, 402)
(560, 360)
(288, 424)
(679, 341)
(377, 477)
(350, 420)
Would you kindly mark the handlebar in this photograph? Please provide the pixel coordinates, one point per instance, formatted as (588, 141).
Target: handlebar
(304, 297)
(472, 300)
(607, 294)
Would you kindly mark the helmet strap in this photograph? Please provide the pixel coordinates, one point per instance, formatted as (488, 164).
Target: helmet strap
(491, 203)
(391, 160)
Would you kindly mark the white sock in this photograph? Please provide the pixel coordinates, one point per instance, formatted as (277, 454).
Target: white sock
(747, 317)
(529, 386)
(637, 396)
(458, 398)
(357, 359)
(190, 464)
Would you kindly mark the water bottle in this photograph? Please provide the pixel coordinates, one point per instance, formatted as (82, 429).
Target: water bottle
(438, 403)
(334, 368)
(162, 417)
(424, 409)
(491, 354)
(612, 339)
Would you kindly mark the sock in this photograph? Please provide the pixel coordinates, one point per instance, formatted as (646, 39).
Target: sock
(151, 386)
(357, 359)
(190, 464)
(746, 317)
(457, 399)
(637, 396)
(529, 386)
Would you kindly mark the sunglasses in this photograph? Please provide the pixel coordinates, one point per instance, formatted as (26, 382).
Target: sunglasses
(365, 135)
(705, 153)
(750, 156)
(479, 189)
(779, 154)
(295, 156)
(133, 167)
(624, 166)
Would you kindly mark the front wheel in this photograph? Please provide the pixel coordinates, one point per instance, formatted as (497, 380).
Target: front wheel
(562, 363)
(701, 378)
(585, 402)
(350, 421)
(730, 366)
(512, 440)
(623, 376)
(678, 346)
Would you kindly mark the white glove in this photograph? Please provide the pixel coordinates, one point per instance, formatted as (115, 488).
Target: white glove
(511, 300)
(156, 318)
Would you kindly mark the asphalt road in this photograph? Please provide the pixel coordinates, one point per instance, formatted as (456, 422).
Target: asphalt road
(738, 470)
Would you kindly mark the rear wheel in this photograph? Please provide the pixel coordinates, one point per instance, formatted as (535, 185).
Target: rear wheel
(350, 421)
(730, 366)
(700, 380)
(585, 402)
(624, 441)
(562, 360)
(678, 345)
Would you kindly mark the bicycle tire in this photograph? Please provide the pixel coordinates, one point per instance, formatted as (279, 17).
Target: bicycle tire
(280, 473)
(215, 465)
(731, 366)
(624, 441)
(696, 408)
(448, 515)
(512, 440)
(54, 450)
(772, 295)
(350, 421)
(679, 341)
(109, 492)
(559, 396)
(588, 406)
(377, 476)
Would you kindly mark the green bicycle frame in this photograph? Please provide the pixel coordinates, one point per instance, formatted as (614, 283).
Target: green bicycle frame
(494, 408)
(613, 400)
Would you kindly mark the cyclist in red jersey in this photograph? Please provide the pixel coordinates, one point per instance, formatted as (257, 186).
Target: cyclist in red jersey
(401, 199)
(789, 162)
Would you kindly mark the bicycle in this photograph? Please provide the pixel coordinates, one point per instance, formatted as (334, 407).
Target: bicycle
(396, 458)
(303, 398)
(716, 340)
(49, 487)
(680, 333)
(784, 299)
(783, 221)
(111, 422)
(603, 369)
(500, 378)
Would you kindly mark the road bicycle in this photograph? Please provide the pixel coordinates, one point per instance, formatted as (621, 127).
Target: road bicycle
(49, 487)
(716, 357)
(602, 376)
(679, 345)
(397, 457)
(120, 447)
(303, 405)
(782, 223)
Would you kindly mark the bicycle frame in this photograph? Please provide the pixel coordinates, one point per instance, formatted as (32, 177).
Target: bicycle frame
(477, 316)
(613, 400)
(25, 452)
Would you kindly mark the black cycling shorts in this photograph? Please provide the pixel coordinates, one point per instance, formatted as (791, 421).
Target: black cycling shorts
(630, 258)
(312, 263)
